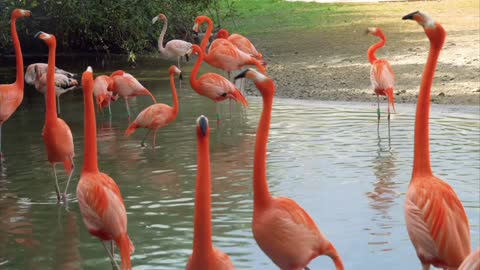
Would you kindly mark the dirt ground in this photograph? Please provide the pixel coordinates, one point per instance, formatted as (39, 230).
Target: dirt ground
(332, 64)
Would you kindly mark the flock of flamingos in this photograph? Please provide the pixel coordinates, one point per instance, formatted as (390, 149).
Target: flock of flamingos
(435, 217)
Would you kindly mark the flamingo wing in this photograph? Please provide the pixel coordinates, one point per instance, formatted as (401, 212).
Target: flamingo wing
(381, 75)
(243, 44)
(215, 86)
(218, 42)
(437, 223)
(179, 47)
(155, 116)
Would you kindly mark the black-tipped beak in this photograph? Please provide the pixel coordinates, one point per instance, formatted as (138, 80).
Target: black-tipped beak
(203, 124)
(410, 16)
(38, 34)
(180, 76)
(242, 74)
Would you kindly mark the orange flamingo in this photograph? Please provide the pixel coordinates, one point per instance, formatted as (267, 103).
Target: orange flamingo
(381, 73)
(56, 134)
(157, 115)
(174, 48)
(241, 42)
(225, 56)
(34, 69)
(205, 255)
(283, 229)
(11, 95)
(212, 85)
(472, 262)
(103, 96)
(63, 84)
(126, 86)
(99, 197)
(436, 220)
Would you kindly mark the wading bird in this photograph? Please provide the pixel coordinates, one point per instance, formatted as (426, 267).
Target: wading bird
(99, 197)
(205, 255)
(241, 42)
(39, 69)
(11, 95)
(56, 134)
(102, 93)
(436, 220)
(381, 73)
(157, 115)
(283, 229)
(174, 48)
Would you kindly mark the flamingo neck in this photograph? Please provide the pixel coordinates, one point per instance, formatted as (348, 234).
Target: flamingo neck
(51, 110)
(421, 161)
(193, 77)
(162, 35)
(90, 163)
(373, 49)
(18, 54)
(261, 194)
(206, 38)
(202, 241)
(174, 94)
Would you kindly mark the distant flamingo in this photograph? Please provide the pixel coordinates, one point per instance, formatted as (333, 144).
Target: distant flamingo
(381, 73)
(126, 86)
(281, 227)
(99, 197)
(472, 262)
(436, 220)
(56, 134)
(241, 42)
(205, 255)
(63, 84)
(227, 56)
(11, 95)
(33, 70)
(212, 85)
(157, 115)
(103, 96)
(174, 48)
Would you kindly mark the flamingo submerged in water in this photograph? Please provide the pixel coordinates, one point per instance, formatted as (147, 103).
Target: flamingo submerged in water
(56, 134)
(283, 229)
(99, 197)
(11, 95)
(157, 115)
(242, 43)
(435, 217)
(205, 255)
(381, 73)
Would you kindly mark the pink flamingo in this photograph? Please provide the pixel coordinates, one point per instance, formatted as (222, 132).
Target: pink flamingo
(99, 197)
(103, 96)
(436, 220)
(126, 86)
(34, 69)
(205, 255)
(56, 134)
(241, 42)
(157, 115)
(281, 227)
(381, 73)
(63, 84)
(11, 95)
(174, 48)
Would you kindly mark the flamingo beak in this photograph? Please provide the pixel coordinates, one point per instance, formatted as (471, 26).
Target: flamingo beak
(202, 123)
(410, 16)
(242, 74)
(195, 27)
(180, 76)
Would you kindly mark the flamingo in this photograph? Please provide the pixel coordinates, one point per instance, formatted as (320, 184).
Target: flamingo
(34, 69)
(56, 134)
(436, 220)
(381, 73)
(99, 197)
(205, 255)
(63, 84)
(103, 96)
(283, 229)
(212, 85)
(157, 115)
(126, 86)
(241, 42)
(224, 56)
(472, 262)
(174, 48)
(11, 95)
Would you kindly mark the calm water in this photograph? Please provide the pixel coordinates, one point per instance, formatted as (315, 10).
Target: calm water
(326, 156)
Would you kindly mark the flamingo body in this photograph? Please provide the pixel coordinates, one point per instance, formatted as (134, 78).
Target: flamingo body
(11, 96)
(58, 140)
(472, 262)
(100, 90)
(38, 69)
(241, 42)
(128, 86)
(63, 84)
(174, 48)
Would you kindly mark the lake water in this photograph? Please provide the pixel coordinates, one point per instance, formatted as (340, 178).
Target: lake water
(327, 156)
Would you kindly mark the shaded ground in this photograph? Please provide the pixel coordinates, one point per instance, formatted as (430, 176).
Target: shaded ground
(331, 63)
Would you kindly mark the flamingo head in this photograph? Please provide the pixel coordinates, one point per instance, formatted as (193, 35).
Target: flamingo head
(47, 38)
(174, 70)
(375, 31)
(223, 33)
(202, 126)
(87, 80)
(196, 49)
(263, 83)
(160, 17)
(199, 21)
(18, 13)
(435, 32)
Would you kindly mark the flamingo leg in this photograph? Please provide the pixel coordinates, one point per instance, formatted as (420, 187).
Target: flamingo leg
(57, 188)
(128, 107)
(218, 114)
(58, 105)
(144, 138)
(378, 108)
(154, 138)
(109, 111)
(1, 140)
(110, 255)
(68, 182)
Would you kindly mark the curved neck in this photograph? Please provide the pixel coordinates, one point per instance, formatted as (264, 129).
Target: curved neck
(202, 241)
(373, 49)
(90, 163)
(421, 159)
(206, 38)
(193, 77)
(162, 35)
(261, 194)
(51, 110)
(18, 54)
(174, 94)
